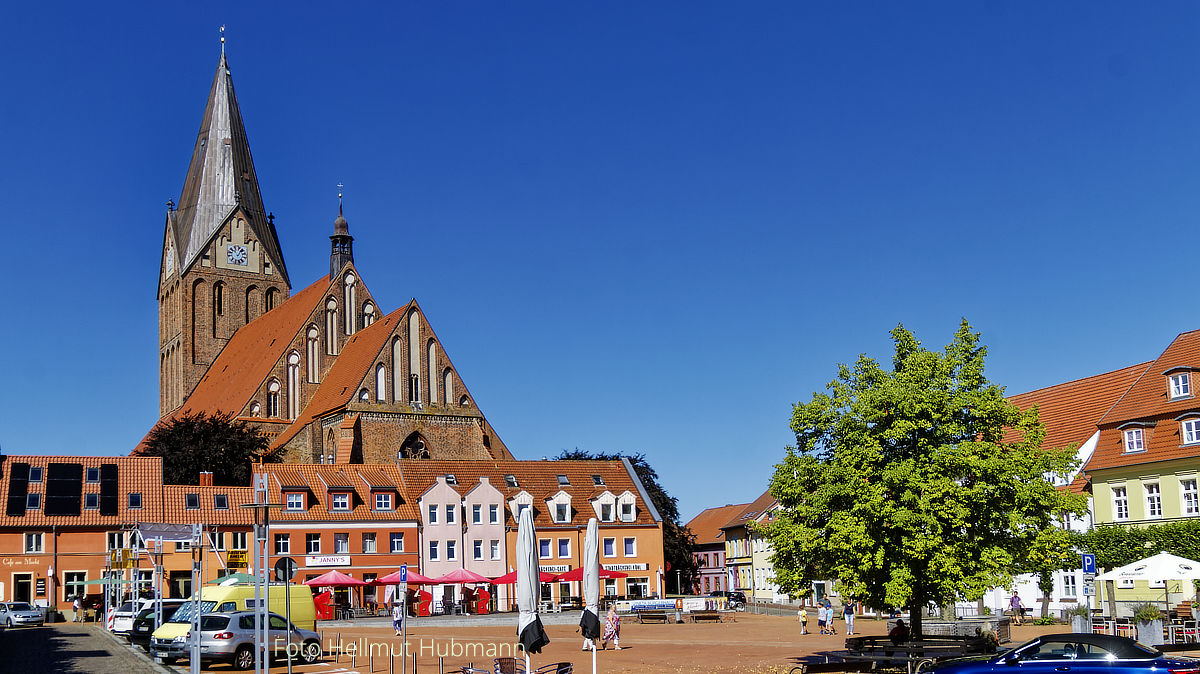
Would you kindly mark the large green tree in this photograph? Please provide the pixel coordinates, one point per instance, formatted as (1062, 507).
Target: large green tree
(678, 541)
(904, 488)
(216, 443)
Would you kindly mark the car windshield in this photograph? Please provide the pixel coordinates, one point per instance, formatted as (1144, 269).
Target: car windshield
(213, 623)
(19, 606)
(127, 607)
(185, 612)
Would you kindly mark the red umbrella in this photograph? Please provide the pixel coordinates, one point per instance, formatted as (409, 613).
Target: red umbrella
(577, 574)
(335, 579)
(511, 577)
(461, 576)
(414, 578)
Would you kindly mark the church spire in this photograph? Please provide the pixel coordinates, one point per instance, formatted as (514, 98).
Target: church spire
(221, 179)
(341, 243)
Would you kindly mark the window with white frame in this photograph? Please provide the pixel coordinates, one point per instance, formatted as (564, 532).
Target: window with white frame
(383, 501)
(1125, 583)
(341, 544)
(610, 547)
(606, 512)
(477, 513)
(368, 541)
(351, 303)
(544, 548)
(73, 584)
(293, 385)
(1190, 431)
(630, 546)
(115, 540)
(1190, 496)
(562, 512)
(450, 508)
(1120, 499)
(283, 544)
(433, 550)
(273, 400)
(33, 542)
(1181, 385)
(312, 354)
(1133, 440)
(1153, 500)
(396, 539)
(312, 544)
(627, 511)
(477, 550)
(293, 501)
(331, 326)
(216, 540)
(451, 550)
(433, 514)
(494, 514)
(564, 548)
(495, 549)
(340, 501)
(237, 540)
(1070, 589)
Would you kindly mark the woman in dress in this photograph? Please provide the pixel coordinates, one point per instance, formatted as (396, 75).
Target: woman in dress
(612, 629)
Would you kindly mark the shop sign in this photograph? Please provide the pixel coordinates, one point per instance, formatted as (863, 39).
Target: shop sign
(327, 560)
(555, 568)
(643, 566)
(237, 559)
(40, 587)
(19, 561)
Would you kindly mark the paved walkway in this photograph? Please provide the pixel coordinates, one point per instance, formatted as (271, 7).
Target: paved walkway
(68, 647)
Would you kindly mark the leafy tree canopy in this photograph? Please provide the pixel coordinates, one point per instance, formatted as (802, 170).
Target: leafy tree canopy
(197, 442)
(903, 487)
(678, 540)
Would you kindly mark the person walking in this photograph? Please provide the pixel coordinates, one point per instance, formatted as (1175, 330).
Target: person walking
(397, 617)
(612, 630)
(78, 606)
(830, 616)
(802, 614)
(821, 618)
(848, 616)
(1018, 610)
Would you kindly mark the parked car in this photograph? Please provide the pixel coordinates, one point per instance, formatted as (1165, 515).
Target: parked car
(125, 612)
(14, 613)
(1076, 653)
(736, 598)
(144, 624)
(229, 637)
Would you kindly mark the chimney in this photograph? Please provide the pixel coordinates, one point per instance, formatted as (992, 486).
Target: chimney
(205, 479)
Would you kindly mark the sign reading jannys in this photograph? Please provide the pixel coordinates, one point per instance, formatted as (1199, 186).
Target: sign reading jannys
(327, 560)
(643, 566)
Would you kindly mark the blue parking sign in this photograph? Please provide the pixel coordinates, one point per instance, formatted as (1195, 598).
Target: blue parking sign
(404, 572)
(1088, 562)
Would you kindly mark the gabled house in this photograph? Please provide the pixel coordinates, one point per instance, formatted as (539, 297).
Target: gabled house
(709, 552)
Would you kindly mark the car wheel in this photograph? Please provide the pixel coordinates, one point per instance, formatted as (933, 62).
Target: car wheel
(310, 652)
(243, 658)
(9, 623)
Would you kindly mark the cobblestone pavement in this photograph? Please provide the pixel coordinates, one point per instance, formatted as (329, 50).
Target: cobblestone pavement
(68, 647)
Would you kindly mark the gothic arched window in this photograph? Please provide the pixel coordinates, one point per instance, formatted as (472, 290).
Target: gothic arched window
(368, 314)
(331, 326)
(433, 368)
(397, 369)
(448, 386)
(380, 383)
(273, 399)
(313, 352)
(350, 303)
(293, 385)
(272, 298)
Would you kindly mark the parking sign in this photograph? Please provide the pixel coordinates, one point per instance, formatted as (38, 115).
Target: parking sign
(1088, 562)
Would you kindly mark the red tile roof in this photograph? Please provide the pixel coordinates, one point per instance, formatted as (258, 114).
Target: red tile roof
(751, 510)
(1071, 411)
(707, 525)
(318, 479)
(539, 478)
(175, 505)
(141, 474)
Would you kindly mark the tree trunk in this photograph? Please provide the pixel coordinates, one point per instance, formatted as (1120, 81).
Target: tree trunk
(1110, 590)
(1045, 601)
(916, 611)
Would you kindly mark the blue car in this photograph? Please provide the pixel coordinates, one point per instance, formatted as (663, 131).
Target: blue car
(1075, 654)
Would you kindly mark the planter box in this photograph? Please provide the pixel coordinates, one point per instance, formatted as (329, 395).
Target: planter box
(1081, 624)
(1150, 632)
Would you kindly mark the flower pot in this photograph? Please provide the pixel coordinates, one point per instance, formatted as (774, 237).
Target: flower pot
(1081, 624)
(1149, 632)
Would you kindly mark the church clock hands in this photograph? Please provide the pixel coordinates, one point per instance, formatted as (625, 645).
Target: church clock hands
(236, 255)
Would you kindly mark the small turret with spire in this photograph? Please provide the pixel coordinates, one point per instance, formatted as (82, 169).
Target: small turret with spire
(341, 243)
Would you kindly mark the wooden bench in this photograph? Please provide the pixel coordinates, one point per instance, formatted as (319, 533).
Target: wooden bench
(705, 616)
(653, 617)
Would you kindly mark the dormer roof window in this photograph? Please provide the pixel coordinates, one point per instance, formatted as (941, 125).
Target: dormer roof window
(598, 480)
(1134, 441)
(1181, 385)
(510, 481)
(451, 479)
(563, 481)
(293, 500)
(339, 500)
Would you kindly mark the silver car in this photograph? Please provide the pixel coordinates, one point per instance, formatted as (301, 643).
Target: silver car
(230, 637)
(14, 613)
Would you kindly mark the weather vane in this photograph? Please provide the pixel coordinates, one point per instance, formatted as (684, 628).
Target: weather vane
(340, 186)
(222, 38)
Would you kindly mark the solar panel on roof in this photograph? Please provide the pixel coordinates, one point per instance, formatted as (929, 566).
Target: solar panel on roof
(18, 486)
(108, 489)
(64, 488)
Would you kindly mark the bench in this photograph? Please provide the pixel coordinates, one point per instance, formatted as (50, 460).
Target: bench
(653, 617)
(705, 616)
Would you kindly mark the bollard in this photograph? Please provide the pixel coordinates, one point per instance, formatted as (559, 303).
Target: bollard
(370, 660)
(338, 652)
(352, 659)
(392, 663)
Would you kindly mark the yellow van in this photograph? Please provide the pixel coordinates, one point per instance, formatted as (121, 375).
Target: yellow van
(170, 640)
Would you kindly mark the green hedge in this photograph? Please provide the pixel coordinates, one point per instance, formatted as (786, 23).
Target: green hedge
(1117, 545)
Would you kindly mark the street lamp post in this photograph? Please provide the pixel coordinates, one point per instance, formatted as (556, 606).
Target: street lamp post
(262, 526)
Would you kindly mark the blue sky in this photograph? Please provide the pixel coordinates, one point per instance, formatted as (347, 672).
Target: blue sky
(642, 227)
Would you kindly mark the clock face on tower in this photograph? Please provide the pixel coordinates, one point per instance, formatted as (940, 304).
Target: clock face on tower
(236, 254)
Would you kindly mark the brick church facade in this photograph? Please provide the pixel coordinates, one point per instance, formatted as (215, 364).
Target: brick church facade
(323, 371)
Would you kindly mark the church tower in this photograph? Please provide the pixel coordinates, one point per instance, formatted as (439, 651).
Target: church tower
(222, 265)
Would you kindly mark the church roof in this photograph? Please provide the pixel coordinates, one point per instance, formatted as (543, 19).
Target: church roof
(220, 179)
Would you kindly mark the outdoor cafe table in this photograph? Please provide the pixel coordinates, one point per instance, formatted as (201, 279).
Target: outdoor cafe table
(911, 653)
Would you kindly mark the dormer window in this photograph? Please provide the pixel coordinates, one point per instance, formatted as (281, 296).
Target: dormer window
(606, 512)
(1190, 431)
(562, 513)
(339, 501)
(1134, 441)
(626, 512)
(383, 501)
(293, 501)
(1181, 386)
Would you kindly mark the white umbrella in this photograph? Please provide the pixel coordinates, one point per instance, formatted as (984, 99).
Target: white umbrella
(1163, 566)
(589, 622)
(530, 633)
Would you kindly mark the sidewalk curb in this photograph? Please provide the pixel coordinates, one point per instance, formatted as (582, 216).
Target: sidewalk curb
(137, 652)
